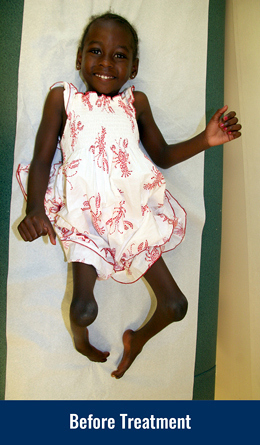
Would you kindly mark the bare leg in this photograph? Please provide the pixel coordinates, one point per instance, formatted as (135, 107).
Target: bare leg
(83, 311)
(171, 306)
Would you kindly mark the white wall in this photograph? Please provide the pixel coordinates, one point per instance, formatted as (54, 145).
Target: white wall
(238, 342)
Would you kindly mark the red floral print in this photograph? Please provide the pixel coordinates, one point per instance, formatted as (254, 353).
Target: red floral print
(121, 157)
(69, 170)
(104, 102)
(158, 180)
(96, 215)
(129, 111)
(86, 101)
(153, 254)
(100, 147)
(118, 215)
(75, 127)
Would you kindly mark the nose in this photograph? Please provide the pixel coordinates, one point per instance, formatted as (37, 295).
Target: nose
(106, 61)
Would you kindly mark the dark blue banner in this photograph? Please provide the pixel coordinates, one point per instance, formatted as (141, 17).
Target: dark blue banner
(133, 422)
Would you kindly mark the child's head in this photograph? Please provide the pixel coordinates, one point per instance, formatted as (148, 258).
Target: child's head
(109, 16)
(107, 53)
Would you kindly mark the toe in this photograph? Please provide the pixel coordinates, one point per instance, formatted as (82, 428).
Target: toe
(115, 375)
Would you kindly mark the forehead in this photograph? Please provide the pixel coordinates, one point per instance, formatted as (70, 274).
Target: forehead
(111, 32)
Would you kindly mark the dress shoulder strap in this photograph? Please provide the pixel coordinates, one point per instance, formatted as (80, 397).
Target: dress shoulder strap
(128, 94)
(69, 92)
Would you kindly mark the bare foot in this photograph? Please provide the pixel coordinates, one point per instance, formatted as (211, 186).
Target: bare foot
(131, 350)
(84, 347)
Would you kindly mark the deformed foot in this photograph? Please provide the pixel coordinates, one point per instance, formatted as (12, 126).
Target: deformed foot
(84, 347)
(131, 349)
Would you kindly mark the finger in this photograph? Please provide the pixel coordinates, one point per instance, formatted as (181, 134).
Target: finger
(44, 227)
(230, 122)
(39, 226)
(51, 233)
(32, 230)
(233, 135)
(219, 113)
(236, 135)
(229, 116)
(230, 125)
(27, 232)
(234, 129)
(24, 234)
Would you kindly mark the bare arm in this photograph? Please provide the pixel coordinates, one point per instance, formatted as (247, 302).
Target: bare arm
(36, 223)
(217, 132)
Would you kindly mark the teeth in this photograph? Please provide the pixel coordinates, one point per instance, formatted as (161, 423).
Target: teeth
(104, 77)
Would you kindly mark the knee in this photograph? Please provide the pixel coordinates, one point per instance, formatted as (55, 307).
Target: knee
(83, 313)
(178, 307)
(182, 308)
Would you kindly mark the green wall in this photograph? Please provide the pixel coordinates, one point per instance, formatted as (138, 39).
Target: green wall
(204, 383)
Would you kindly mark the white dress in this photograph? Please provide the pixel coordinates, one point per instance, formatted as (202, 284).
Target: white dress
(106, 199)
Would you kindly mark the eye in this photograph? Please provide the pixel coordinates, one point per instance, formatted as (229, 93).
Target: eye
(120, 56)
(95, 51)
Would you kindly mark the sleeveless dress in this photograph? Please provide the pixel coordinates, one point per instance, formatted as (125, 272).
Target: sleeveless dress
(107, 201)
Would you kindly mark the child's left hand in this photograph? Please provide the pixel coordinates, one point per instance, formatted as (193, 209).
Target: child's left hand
(222, 129)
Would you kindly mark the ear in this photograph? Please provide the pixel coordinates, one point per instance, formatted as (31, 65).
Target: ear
(134, 70)
(79, 59)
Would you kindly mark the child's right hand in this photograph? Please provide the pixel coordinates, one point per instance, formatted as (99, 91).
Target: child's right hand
(34, 225)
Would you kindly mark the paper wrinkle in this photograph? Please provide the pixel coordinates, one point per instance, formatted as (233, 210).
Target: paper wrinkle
(41, 361)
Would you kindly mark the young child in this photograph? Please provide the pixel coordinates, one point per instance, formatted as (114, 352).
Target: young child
(108, 201)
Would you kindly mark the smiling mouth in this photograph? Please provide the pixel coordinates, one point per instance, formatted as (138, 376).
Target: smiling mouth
(102, 76)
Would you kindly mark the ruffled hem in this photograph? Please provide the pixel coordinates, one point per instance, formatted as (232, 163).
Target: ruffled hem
(134, 260)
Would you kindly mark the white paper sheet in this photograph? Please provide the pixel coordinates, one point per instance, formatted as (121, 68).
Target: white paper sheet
(42, 362)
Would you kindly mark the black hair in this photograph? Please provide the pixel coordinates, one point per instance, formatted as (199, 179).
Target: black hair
(108, 16)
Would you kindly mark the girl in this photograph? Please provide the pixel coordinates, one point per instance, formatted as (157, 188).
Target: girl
(107, 201)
